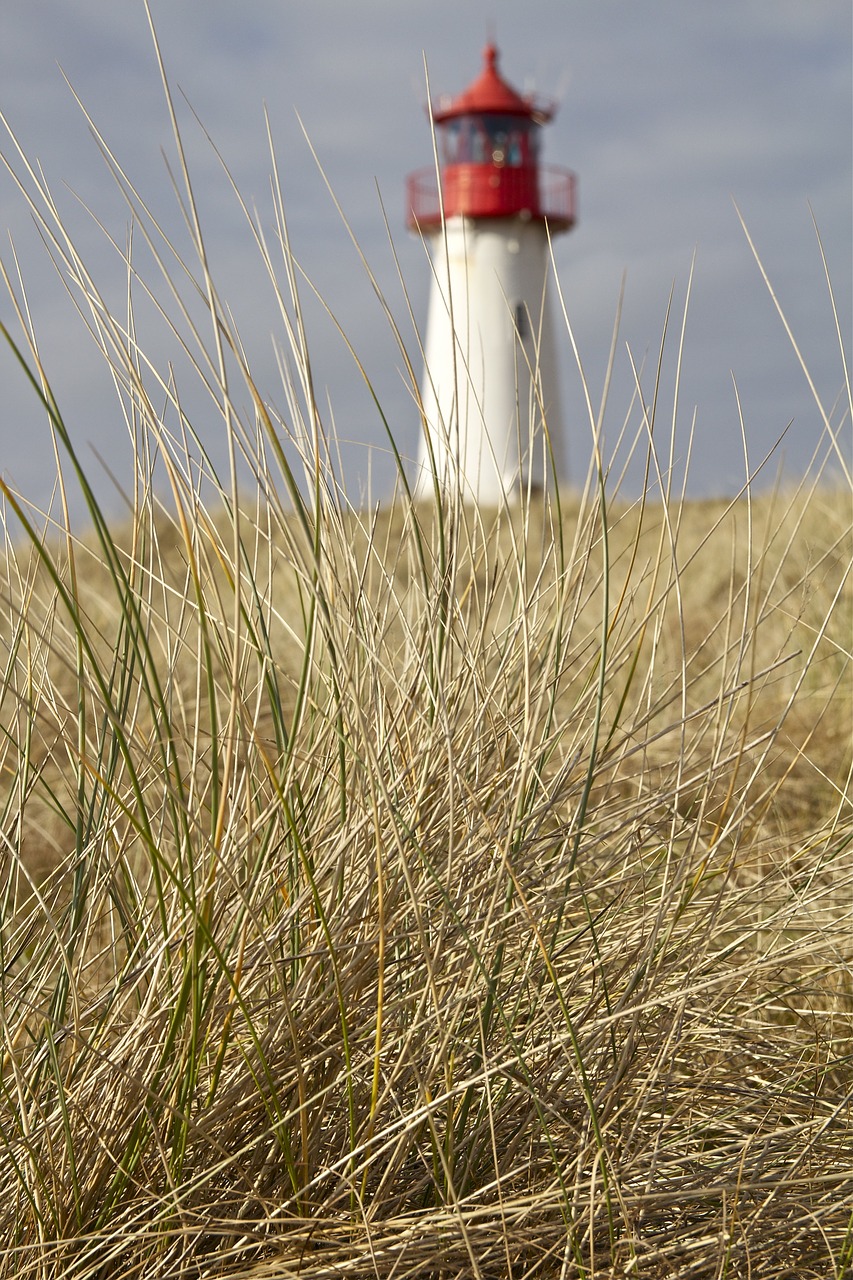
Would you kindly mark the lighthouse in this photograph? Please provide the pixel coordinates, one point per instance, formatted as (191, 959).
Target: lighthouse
(490, 397)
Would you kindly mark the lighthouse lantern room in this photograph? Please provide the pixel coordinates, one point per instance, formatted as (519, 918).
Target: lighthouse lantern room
(490, 399)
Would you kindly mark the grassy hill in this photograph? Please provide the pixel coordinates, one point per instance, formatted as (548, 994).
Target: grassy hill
(430, 898)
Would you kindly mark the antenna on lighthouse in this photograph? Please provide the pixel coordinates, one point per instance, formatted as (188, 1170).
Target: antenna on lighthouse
(490, 396)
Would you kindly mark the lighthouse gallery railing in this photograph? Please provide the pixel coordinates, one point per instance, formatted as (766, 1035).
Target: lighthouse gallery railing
(554, 195)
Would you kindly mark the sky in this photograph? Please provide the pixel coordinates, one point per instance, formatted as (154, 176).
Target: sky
(673, 115)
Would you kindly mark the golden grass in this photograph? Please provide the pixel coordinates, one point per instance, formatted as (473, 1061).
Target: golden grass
(414, 984)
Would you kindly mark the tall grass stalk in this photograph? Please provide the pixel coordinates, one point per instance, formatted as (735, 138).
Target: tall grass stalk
(415, 891)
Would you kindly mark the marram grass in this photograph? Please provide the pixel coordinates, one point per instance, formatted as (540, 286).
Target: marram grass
(416, 892)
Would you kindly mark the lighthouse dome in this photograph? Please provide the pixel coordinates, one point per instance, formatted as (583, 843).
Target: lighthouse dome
(490, 94)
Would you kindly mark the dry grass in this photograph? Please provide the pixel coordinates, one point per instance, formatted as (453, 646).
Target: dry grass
(418, 893)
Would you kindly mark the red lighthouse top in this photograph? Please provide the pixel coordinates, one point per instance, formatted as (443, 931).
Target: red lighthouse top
(490, 94)
(489, 136)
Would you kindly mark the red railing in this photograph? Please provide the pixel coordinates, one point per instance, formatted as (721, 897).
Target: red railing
(483, 191)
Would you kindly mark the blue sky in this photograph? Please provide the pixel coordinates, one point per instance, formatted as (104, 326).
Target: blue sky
(669, 114)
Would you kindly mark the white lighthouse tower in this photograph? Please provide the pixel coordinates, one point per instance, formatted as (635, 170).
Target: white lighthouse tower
(490, 399)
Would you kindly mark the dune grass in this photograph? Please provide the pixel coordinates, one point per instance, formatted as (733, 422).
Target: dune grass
(414, 892)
